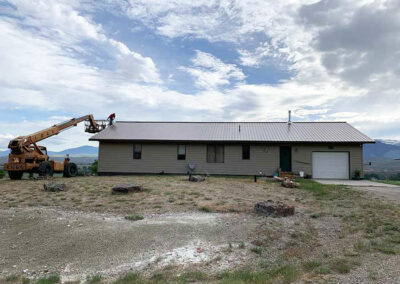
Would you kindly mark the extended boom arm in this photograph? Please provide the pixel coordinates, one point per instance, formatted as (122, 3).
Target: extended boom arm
(21, 143)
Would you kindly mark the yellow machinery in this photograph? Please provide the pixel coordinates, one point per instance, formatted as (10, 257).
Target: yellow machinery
(27, 156)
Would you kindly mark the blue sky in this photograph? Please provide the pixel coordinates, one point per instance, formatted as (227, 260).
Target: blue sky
(211, 60)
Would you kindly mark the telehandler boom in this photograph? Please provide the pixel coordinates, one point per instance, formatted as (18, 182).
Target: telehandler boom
(27, 156)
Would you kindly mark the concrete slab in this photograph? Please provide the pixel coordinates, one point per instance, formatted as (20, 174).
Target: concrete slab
(356, 183)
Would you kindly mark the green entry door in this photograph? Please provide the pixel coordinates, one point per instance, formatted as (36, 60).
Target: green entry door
(286, 158)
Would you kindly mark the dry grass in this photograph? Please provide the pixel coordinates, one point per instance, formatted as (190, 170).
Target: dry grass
(162, 194)
(335, 229)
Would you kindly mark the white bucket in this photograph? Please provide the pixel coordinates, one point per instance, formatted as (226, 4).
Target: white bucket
(301, 174)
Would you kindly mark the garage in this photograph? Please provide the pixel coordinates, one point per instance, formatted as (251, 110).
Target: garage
(330, 165)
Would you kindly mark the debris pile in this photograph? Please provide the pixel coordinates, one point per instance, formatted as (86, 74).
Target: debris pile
(54, 186)
(126, 188)
(274, 209)
(290, 183)
(287, 182)
(196, 178)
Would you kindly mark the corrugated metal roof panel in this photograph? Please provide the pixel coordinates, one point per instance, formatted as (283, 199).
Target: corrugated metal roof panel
(341, 132)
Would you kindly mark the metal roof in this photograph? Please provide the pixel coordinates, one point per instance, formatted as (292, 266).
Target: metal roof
(308, 132)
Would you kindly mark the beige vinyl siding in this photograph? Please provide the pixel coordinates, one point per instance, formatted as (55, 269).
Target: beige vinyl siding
(302, 156)
(117, 157)
(162, 157)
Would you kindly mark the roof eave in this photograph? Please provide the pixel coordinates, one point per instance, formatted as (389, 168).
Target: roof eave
(232, 141)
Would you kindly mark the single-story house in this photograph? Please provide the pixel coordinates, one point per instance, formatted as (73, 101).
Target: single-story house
(319, 149)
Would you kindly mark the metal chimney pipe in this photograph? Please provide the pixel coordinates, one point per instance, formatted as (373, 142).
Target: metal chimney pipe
(290, 117)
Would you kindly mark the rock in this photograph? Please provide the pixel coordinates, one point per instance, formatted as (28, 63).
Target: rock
(196, 178)
(126, 188)
(54, 186)
(274, 209)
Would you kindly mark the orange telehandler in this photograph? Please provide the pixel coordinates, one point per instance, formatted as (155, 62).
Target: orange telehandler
(27, 156)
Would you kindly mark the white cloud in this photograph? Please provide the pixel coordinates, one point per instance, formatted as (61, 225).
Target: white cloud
(355, 79)
(345, 51)
(62, 24)
(210, 72)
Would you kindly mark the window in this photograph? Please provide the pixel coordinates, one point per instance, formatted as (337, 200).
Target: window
(245, 152)
(137, 151)
(215, 153)
(181, 152)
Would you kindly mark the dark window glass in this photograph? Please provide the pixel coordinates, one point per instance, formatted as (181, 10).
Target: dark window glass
(246, 152)
(137, 151)
(181, 152)
(215, 153)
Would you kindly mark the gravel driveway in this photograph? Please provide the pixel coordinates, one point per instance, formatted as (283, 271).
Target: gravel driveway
(40, 240)
(388, 191)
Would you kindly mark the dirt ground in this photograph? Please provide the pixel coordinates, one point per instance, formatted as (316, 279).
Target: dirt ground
(206, 229)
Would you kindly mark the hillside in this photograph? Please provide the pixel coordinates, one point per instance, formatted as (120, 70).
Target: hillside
(79, 151)
(382, 149)
(80, 155)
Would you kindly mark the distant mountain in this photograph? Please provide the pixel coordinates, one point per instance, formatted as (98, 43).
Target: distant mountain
(80, 160)
(83, 150)
(78, 151)
(384, 149)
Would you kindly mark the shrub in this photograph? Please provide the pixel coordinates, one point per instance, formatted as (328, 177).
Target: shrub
(93, 167)
(256, 250)
(2, 174)
(205, 209)
(134, 217)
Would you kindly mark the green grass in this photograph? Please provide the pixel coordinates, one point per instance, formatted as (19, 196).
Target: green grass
(311, 265)
(341, 266)
(50, 279)
(134, 217)
(394, 182)
(130, 278)
(93, 279)
(323, 270)
(192, 276)
(12, 278)
(243, 276)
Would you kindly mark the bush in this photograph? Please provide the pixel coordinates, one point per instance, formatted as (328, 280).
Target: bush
(2, 174)
(93, 167)
(134, 217)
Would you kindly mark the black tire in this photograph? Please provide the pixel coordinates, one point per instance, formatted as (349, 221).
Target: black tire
(15, 175)
(70, 170)
(45, 169)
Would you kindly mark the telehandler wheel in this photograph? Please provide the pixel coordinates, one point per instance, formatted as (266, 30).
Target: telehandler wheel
(15, 175)
(45, 169)
(70, 170)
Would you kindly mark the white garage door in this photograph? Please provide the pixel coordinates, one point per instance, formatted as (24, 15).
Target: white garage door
(334, 165)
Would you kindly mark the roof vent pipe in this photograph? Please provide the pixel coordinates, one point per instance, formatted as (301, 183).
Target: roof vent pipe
(290, 117)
